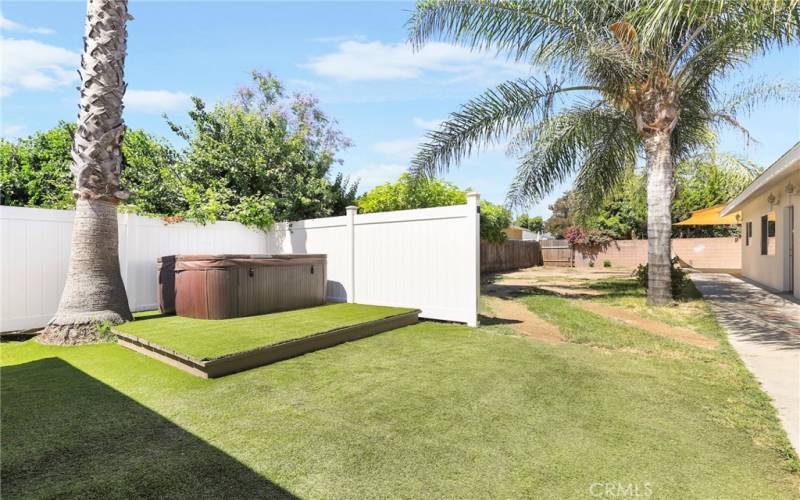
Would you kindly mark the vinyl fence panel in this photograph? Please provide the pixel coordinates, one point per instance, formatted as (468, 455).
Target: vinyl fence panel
(427, 258)
(35, 248)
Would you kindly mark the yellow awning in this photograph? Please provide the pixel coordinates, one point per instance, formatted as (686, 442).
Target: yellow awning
(711, 217)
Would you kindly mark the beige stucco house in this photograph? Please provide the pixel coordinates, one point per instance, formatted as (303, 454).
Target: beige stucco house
(770, 233)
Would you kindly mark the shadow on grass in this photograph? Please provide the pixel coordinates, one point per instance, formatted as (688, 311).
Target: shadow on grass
(618, 288)
(145, 315)
(514, 291)
(621, 288)
(492, 321)
(67, 434)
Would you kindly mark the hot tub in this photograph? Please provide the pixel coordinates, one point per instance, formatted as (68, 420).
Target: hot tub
(232, 285)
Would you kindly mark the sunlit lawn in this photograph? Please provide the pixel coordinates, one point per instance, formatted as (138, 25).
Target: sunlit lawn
(205, 339)
(431, 410)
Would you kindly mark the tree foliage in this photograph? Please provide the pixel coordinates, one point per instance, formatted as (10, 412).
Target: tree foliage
(148, 174)
(262, 153)
(700, 183)
(631, 78)
(562, 215)
(35, 171)
(621, 70)
(535, 223)
(494, 219)
(257, 158)
(408, 193)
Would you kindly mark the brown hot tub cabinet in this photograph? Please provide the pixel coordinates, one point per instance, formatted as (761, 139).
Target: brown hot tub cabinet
(229, 286)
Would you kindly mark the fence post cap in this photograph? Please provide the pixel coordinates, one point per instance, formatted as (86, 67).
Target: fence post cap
(473, 194)
(351, 209)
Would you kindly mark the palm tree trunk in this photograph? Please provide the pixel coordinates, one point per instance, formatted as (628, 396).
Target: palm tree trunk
(659, 217)
(94, 291)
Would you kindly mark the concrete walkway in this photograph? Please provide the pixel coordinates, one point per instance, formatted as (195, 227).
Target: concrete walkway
(764, 328)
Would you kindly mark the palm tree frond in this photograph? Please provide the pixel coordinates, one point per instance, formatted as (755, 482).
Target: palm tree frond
(486, 119)
(592, 137)
(613, 152)
(504, 25)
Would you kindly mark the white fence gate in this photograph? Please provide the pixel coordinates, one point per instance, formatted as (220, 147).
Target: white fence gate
(427, 258)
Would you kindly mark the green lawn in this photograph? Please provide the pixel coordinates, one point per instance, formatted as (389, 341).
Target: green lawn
(205, 339)
(431, 410)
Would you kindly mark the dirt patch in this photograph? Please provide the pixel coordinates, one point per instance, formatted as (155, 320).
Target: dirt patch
(650, 325)
(547, 274)
(569, 289)
(522, 320)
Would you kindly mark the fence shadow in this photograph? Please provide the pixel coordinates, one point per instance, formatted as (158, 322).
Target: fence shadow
(67, 434)
(484, 320)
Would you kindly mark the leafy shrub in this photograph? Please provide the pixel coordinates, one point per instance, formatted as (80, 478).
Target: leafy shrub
(255, 211)
(606, 263)
(408, 193)
(678, 276)
(494, 219)
(105, 333)
(262, 156)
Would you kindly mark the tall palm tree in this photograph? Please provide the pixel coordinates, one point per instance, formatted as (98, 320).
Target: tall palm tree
(94, 291)
(634, 78)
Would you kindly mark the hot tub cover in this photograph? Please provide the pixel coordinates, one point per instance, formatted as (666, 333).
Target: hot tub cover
(221, 261)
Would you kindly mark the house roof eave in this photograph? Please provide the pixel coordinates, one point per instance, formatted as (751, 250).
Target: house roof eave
(781, 165)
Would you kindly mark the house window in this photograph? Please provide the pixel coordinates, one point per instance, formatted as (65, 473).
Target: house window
(768, 234)
(748, 233)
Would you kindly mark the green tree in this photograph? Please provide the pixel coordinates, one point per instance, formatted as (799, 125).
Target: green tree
(35, 172)
(148, 174)
(623, 213)
(261, 156)
(700, 183)
(563, 215)
(406, 194)
(643, 79)
(494, 219)
(535, 224)
(705, 182)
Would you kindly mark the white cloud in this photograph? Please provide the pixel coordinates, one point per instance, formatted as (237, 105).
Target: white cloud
(354, 60)
(9, 25)
(10, 131)
(427, 124)
(33, 65)
(377, 174)
(399, 148)
(156, 101)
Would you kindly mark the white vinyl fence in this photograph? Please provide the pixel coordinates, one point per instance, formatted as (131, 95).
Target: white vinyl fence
(427, 258)
(34, 257)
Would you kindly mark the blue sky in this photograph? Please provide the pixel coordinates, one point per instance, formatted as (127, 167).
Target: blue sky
(350, 54)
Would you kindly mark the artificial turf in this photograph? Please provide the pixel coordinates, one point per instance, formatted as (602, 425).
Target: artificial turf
(431, 410)
(205, 339)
